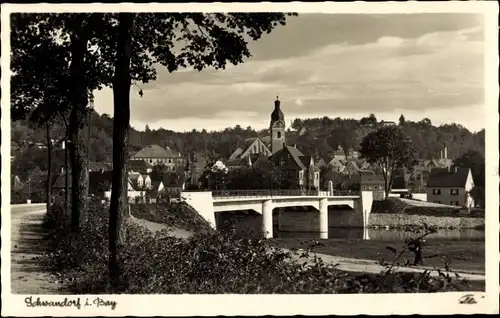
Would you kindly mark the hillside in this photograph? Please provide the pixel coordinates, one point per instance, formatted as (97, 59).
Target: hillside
(320, 137)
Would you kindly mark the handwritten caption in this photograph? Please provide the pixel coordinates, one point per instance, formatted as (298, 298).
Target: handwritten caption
(77, 302)
(468, 299)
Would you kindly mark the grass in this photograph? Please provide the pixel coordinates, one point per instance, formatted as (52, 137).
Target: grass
(466, 256)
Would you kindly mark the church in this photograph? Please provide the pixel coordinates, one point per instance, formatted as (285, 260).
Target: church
(299, 170)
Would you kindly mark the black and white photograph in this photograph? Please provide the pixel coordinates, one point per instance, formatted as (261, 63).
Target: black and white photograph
(276, 150)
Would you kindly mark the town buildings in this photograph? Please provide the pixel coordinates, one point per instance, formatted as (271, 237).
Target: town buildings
(451, 186)
(157, 155)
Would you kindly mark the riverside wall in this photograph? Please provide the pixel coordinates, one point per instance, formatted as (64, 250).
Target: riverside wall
(393, 220)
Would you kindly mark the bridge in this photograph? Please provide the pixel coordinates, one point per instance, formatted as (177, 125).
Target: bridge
(207, 203)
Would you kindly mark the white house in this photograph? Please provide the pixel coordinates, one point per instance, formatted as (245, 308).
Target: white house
(450, 186)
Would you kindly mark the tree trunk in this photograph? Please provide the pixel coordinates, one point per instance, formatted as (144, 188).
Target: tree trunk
(66, 166)
(121, 121)
(77, 120)
(66, 178)
(49, 167)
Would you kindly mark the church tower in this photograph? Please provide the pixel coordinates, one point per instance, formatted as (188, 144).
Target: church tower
(277, 128)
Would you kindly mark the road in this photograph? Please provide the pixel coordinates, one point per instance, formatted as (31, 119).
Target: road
(29, 273)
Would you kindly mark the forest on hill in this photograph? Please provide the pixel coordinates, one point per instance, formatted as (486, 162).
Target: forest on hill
(320, 137)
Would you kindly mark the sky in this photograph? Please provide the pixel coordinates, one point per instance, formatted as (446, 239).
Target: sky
(336, 65)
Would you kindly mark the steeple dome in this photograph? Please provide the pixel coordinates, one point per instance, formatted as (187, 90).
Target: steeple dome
(277, 114)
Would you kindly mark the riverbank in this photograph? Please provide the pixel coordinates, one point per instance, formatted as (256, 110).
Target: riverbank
(396, 213)
(464, 256)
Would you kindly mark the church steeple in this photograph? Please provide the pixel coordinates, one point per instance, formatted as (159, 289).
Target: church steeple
(277, 127)
(277, 114)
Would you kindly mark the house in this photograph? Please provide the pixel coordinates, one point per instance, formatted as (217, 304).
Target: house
(384, 123)
(251, 146)
(140, 166)
(100, 183)
(156, 155)
(247, 161)
(174, 184)
(100, 166)
(450, 186)
(139, 181)
(338, 165)
(299, 171)
(321, 163)
(361, 182)
(237, 163)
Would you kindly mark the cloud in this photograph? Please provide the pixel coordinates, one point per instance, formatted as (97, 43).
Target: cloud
(434, 63)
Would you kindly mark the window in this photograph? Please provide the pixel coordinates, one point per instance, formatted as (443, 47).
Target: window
(454, 191)
(436, 191)
(169, 160)
(301, 174)
(316, 175)
(278, 134)
(150, 160)
(375, 187)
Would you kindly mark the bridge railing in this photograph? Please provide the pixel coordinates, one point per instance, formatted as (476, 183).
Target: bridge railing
(229, 194)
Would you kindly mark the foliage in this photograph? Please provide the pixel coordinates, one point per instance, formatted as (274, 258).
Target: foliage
(258, 176)
(223, 262)
(214, 176)
(390, 149)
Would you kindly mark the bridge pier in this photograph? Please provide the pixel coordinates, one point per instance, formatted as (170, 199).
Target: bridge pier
(267, 218)
(323, 218)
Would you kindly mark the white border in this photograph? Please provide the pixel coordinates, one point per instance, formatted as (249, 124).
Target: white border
(204, 305)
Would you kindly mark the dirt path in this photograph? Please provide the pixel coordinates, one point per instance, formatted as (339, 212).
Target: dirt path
(155, 227)
(29, 272)
(370, 266)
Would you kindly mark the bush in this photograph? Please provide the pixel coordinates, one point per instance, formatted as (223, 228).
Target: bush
(212, 263)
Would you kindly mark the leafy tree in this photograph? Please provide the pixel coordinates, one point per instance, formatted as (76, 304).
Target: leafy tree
(478, 194)
(389, 148)
(57, 44)
(261, 175)
(39, 92)
(214, 177)
(475, 161)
